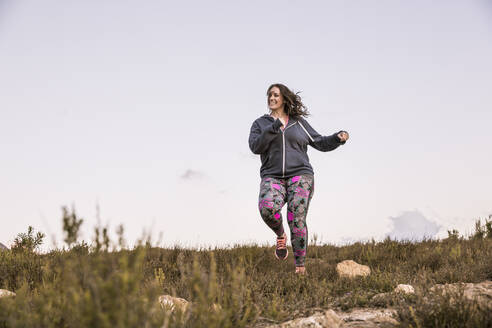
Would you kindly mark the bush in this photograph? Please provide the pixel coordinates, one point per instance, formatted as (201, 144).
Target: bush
(450, 310)
(28, 242)
(105, 284)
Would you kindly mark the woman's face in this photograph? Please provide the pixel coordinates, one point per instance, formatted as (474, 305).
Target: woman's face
(275, 99)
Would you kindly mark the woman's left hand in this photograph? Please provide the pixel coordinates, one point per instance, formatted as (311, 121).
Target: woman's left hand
(343, 136)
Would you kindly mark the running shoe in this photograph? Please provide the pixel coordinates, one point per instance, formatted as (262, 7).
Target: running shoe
(301, 270)
(281, 251)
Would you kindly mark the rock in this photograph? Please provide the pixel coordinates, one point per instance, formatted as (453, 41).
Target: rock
(216, 307)
(6, 293)
(369, 318)
(171, 303)
(3, 247)
(351, 269)
(357, 318)
(479, 292)
(328, 319)
(404, 289)
(385, 299)
(381, 299)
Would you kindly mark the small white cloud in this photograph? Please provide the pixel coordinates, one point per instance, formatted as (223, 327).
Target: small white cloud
(412, 225)
(192, 175)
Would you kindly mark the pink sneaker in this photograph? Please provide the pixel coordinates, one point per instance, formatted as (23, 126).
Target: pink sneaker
(281, 250)
(301, 270)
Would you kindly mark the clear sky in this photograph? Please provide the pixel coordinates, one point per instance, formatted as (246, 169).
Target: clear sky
(145, 108)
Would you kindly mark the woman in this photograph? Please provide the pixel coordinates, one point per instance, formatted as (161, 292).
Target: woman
(281, 138)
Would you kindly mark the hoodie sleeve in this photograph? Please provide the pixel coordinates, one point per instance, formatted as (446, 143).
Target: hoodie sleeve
(259, 140)
(319, 142)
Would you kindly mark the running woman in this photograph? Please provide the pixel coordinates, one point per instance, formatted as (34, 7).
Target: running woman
(281, 138)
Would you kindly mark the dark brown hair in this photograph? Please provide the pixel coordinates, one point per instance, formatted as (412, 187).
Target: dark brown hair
(293, 104)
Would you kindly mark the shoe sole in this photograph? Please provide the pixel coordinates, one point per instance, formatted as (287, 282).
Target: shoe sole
(286, 250)
(282, 258)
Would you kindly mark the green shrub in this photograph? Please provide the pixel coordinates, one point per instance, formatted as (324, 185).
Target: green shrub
(105, 284)
(440, 311)
(28, 242)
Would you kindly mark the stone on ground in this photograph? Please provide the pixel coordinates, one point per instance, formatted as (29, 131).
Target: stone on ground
(352, 269)
(328, 319)
(479, 292)
(171, 303)
(404, 289)
(6, 293)
(216, 307)
(369, 318)
(356, 318)
(381, 299)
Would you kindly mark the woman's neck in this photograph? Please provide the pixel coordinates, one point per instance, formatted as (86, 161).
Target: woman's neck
(279, 113)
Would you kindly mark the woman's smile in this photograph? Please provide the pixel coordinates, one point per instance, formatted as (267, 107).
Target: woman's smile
(275, 99)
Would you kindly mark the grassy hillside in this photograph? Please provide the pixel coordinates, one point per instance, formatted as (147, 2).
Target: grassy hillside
(110, 286)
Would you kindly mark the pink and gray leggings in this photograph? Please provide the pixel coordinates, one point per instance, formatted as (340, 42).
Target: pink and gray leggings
(297, 192)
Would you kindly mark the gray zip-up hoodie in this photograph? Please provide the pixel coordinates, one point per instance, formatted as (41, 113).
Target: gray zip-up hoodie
(284, 152)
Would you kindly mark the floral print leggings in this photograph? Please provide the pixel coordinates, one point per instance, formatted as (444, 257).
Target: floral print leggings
(297, 191)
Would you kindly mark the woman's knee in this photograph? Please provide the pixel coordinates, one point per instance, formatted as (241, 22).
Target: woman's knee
(270, 213)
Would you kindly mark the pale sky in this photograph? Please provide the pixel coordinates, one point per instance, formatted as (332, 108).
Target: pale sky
(145, 108)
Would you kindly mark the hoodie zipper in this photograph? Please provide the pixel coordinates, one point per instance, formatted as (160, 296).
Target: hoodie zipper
(283, 152)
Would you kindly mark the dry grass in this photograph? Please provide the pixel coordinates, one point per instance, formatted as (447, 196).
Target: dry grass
(104, 287)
